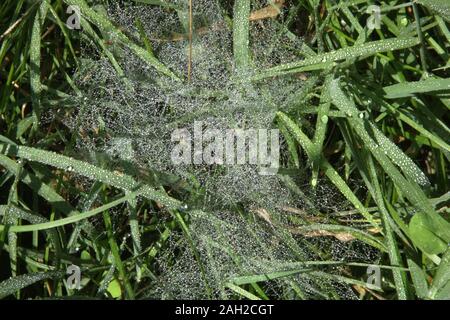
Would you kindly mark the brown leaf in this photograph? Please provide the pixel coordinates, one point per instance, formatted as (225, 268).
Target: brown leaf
(341, 236)
(270, 11)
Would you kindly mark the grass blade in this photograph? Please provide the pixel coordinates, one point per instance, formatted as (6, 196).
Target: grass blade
(357, 51)
(241, 34)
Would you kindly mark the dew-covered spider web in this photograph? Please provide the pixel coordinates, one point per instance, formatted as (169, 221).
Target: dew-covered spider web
(240, 223)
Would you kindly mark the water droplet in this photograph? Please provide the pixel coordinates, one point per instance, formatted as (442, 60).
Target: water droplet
(324, 119)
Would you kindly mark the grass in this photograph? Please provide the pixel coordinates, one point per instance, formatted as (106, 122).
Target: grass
(373, 109)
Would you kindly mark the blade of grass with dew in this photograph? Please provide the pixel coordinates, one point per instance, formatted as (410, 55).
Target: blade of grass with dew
(71, 219)
(398, 157)
(419, 279)
(364, 50)
(440, 288)
(391, 243)
(330, 172)
(14, 284)
(135, 233)
(241, 12)
(12, 220)
(410, 188)
(121, 181)
(429, 218)
(106, 25)
(321, 128)
(240, 280)
(35, 219)
(116, 254)
(42, 189)
(441, 7)
(160, 3)
(408, 89)
(242, 292)
(35, 61)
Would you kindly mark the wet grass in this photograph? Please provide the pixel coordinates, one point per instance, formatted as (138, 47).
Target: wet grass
(374, 109)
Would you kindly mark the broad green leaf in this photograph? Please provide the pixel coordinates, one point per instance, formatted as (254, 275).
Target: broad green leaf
(114, 289)
(427, 233)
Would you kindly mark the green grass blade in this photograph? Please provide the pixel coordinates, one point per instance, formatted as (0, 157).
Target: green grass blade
(419, 279)
(357, 51)
(116, 255)
(12, 285)
(330, 172)
(408, 89)
(71, 219)
(241, 25)
(121, 181)
(242, 292)
(35, 62)
(441, 7)
(106, 25)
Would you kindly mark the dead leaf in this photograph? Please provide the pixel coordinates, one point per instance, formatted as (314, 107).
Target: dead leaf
(262, 213)
(341, 236)
(270, 11)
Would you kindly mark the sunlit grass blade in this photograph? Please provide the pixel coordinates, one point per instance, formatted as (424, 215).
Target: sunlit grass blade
(363, 50)
(71, 219)
(106, 25)
(408, 89)
(241, 34)
(330, 172)
(121, 181)
(12, 285)
(35, 61)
